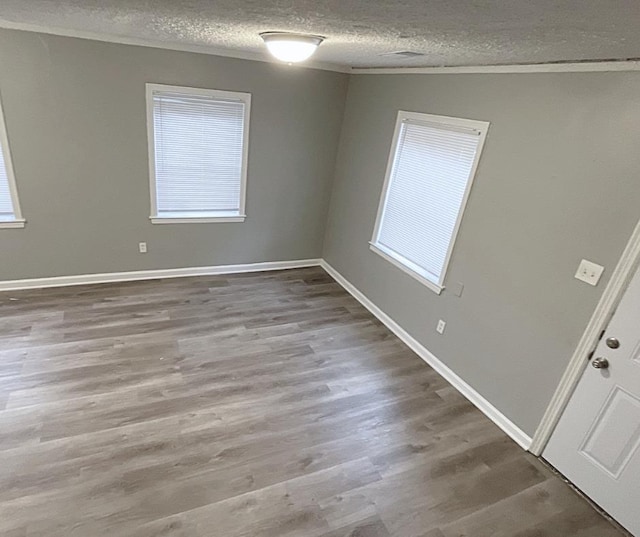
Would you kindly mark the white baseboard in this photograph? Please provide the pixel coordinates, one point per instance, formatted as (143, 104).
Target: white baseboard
(110, 277)
(517, 434)
(465, 389)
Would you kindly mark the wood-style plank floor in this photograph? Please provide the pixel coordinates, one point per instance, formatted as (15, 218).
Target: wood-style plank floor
(257, 405)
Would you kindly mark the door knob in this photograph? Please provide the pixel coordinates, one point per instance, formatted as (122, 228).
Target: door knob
(612, 342)
(600, 363)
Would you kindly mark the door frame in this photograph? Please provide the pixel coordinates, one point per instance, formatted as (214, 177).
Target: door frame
(611, 296)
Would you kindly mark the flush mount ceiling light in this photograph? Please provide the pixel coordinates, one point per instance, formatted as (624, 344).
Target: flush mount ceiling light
(291, 48)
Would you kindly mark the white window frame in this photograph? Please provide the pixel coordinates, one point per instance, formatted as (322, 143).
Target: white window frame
(215, 94)
(19, 221)
(401, 263)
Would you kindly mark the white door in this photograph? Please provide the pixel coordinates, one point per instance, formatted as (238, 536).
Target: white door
(597, 442)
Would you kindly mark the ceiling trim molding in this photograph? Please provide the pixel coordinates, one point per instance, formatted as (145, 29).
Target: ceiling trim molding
(180, 47)
(558, 67)
(564, 67)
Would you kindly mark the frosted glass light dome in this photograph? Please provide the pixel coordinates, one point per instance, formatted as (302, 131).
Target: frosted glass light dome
(291, 48)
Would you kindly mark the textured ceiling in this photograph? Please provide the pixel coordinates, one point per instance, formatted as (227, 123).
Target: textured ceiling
(448, 32)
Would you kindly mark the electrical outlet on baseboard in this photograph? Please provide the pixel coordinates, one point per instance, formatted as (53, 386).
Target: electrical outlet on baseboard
(441, 326)
(142, 247)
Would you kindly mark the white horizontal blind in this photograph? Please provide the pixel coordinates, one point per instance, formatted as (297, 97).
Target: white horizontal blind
(198, 154)
(426, 188)
(7, 212)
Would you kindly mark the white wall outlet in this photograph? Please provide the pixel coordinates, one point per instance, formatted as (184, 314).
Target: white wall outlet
(440, 327)
(457, 289)
(142, 246)
(589, 272)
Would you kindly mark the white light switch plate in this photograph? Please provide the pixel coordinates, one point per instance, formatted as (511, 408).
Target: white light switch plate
(589, 272)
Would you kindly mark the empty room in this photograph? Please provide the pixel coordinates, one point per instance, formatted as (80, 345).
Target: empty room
(293, 268)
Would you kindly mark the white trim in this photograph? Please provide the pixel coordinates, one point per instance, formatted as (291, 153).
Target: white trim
(417, 117)
(203, 92)
(211, 50)
(560, 67)
(389, 256)
(237, 96)
(197, 219)
(519, 436)
(586, 66)
(110, 277)
(512, 430)
(12, 224)
(18, 220)
(607, 305)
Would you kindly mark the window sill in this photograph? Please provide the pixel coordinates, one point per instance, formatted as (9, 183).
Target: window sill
(197, 219)
(437, 289)
(12, 224)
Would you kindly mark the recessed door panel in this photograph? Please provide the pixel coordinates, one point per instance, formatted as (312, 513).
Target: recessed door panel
(615, 435)
(596, 444)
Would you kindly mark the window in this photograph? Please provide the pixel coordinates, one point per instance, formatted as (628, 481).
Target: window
(10, 214)
(431, 167)
(198, 142)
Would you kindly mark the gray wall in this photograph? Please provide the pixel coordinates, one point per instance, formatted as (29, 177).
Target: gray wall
(75, 113)
(558, 182)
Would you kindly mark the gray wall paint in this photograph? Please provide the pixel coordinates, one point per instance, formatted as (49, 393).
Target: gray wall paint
(558, 181)
(75, 112)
